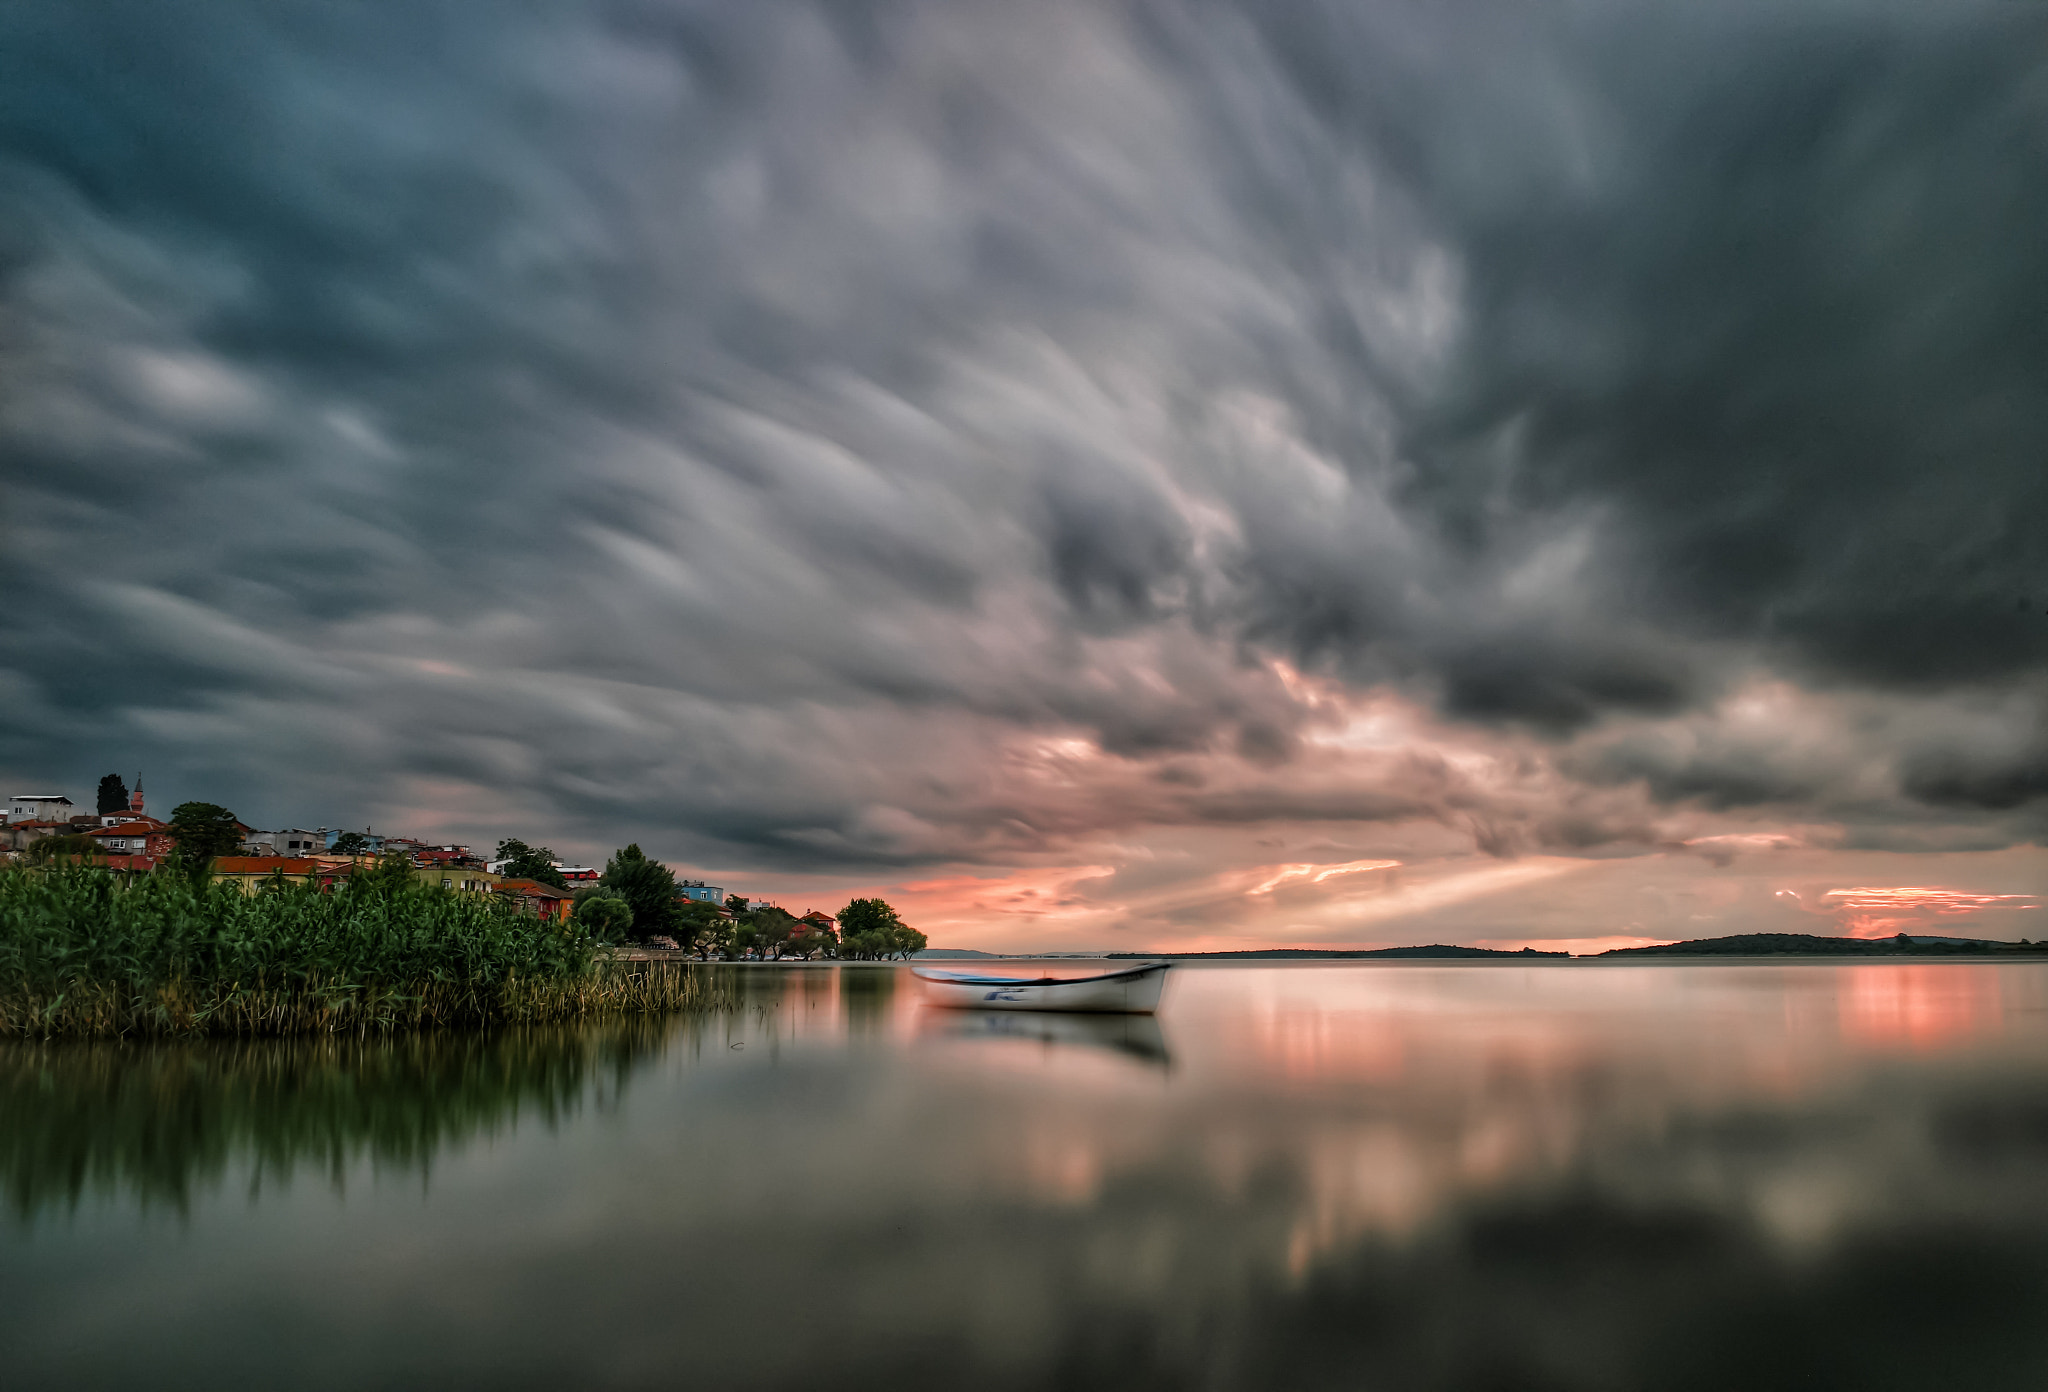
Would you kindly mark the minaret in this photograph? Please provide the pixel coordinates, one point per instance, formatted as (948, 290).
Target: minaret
(135, 798)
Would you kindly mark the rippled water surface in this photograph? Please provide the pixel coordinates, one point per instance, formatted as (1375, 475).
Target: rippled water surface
(1413, 1176)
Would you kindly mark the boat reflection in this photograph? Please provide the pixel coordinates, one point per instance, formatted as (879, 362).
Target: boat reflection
(1411, 1178)
(1132, 1036)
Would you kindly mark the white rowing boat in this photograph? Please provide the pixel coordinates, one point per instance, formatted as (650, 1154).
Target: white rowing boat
(1133, 991)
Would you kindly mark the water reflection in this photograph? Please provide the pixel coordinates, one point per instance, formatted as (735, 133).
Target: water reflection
(1923, 1006)
(1136, 1037)
(1420, 1177)
(155, 1122)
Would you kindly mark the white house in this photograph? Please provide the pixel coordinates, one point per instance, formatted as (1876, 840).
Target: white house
(292, 841)
(39, 807)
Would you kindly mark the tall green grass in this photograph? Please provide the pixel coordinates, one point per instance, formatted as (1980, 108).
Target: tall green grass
(85, 952)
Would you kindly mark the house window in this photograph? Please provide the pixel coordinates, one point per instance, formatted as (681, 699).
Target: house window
(446, 885)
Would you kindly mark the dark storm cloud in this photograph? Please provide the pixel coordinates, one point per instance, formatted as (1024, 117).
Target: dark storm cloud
(765, 422)
(1754, 279)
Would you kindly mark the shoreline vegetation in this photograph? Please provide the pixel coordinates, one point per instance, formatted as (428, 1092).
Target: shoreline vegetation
(87, 953)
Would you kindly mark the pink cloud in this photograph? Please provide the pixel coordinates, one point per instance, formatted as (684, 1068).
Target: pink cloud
(1870, 911)
(1317, 874)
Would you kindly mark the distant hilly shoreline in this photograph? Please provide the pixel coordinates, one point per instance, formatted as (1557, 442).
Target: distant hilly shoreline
(1738, 945)
(1805, 945)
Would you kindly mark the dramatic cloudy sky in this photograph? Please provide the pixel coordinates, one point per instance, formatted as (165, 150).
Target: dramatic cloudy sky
(1104, 474)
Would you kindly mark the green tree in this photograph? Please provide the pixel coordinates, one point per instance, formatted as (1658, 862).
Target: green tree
(702, 928)
(689, 913)
(390, 874)
(113, 795)
(351, 843)
(58, 847)
(524, 862)
(204, 830)
(710, 936)
(869, 929)
(866, 916)
(772, 928)
(603, 912)
(736, 902)
(648, 887)
(807, 941)
(746, 938)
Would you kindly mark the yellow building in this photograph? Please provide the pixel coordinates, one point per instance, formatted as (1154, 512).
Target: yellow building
(327, 871)
(250, 872)
(461, 879)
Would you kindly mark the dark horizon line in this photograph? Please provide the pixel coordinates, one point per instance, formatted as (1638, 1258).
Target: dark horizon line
(1734, 945)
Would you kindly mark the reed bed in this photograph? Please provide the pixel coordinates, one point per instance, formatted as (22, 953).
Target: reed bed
(85, 953)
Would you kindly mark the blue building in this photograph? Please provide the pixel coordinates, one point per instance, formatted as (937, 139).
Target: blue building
(701, 892)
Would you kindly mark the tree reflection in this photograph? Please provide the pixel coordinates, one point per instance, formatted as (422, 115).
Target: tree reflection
(157, 1123)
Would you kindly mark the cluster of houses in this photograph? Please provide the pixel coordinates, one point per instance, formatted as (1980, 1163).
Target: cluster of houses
(131, 840)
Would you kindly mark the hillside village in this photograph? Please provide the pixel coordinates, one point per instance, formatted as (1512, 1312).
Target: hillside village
(632, 899)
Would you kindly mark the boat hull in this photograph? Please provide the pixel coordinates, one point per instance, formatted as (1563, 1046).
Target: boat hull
(1133, 992)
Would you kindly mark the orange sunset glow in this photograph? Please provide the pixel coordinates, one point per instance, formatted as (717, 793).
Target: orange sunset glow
(1869, 911)
(1921, 1006)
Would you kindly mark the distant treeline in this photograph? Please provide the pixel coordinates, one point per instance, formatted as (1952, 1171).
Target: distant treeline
(1805, 945)
(1741, 945)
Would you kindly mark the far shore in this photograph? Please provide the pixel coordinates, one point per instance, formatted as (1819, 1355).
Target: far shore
(2004, 953)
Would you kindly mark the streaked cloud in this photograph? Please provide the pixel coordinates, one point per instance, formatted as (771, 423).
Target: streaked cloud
(964, 444)
(1873, 911)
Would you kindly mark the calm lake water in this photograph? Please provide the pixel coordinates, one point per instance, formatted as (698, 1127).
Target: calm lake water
(1568, 1176)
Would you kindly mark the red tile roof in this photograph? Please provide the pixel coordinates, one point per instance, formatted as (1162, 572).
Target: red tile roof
(533, 889)
(109, 862)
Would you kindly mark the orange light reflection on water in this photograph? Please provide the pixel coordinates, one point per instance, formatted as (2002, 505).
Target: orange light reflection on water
(1417, 1085)
(1373, 1098)
(1922, 1007)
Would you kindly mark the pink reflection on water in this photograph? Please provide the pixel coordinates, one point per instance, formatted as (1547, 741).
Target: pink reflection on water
(1921, 1007)
(1321, 1103)
(1301, 1044)
(1406, 1089)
